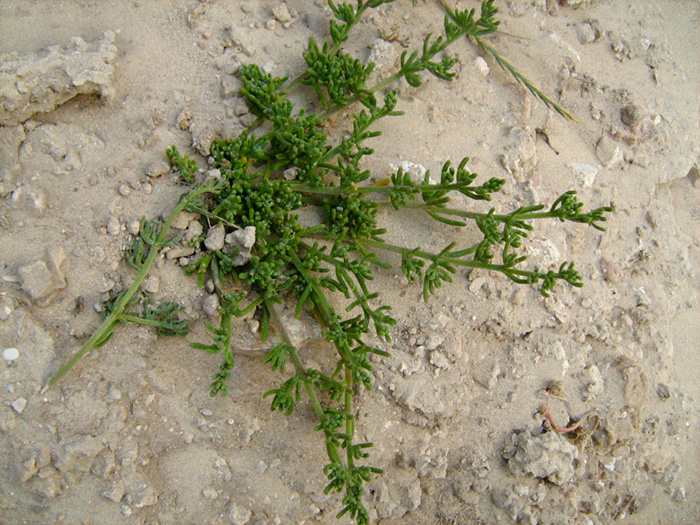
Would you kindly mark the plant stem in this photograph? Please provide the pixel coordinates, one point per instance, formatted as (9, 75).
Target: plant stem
(116, 317)
(444, 259)
(489, 50)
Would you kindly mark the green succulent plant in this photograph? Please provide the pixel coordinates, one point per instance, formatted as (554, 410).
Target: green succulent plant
(285, 162)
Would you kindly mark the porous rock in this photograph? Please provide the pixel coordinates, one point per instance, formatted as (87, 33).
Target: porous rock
(383, 54)
(419, 392)
(546, 456)
(39, 82)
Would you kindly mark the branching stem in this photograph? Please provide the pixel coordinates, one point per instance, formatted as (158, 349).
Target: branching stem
(117, 317)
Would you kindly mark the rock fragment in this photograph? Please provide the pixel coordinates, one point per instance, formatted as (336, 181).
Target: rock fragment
(47, 484)
(78, 454)
(116, 490)
(595, 384)
(11, 137)
(396, 500)
(157, 169)
(183, 220)
(210, 305)
(282, 14)
(30, 198)
(113, 225)
(238, 515)
(632, 115)
(585, 32)
(609, 154)
(19, 405)
(39, 82)
(383, 54)
(481, 66)
(104, 464)
(243, 240)
(585, 173)
(215, 238)
(546, 456)
(42, 278)
(520, 155)
(63, 146)
(138, 493)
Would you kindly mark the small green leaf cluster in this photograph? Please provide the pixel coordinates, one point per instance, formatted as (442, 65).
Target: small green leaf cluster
(164, 316)
(184, 164)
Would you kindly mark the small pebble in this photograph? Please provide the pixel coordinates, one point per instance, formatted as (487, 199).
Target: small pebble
(19, 404)
(10, 354)
(215, 238)
(282, 14)
(210, 305)
(158, 168)
(661, 390)
(113, 226)
(133, 227)
(213, 174)
(631, 115)
(482, 66)
(210, 493)
(125, 190)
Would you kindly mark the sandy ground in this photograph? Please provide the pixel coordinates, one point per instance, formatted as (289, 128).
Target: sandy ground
(131, 435)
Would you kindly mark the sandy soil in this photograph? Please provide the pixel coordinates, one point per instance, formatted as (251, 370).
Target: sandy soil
(131, 435)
